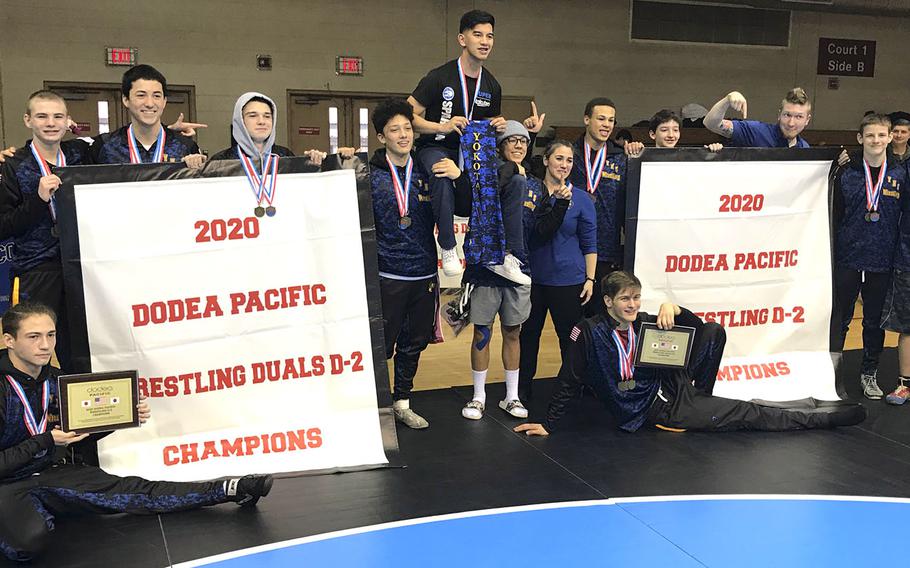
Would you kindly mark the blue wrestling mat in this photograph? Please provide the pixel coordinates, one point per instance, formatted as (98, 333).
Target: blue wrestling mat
(715, 531)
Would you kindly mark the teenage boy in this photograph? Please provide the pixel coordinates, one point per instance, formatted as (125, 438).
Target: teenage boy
(403, 216)
(28, 206)
(599, 167)
(35, 484)
(444, 102)
(602, 354)
(793, 116)
(144, 95)
(493, 294)
(866, 219)
(252, 130)
(664, 129)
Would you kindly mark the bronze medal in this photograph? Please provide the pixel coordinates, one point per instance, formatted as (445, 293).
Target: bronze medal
(404, 222)
(259, 211)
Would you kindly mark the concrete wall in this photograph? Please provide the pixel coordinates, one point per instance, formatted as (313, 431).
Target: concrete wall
(563, 52)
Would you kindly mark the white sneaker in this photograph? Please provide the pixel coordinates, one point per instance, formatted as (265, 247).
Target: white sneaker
(511, 269)
(871, 389)
(451, 265)
(514, 407)
(411, 419)
(473, 410)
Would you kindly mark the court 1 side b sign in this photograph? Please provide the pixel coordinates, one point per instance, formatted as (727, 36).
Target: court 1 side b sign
(846, 57)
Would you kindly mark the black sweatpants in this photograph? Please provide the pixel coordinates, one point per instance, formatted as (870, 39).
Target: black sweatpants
(44, 284)
(847, 286)
(565, 308)
(442, 193)
(28, 507)
(409, 315)
(680, 404)
(692, 409)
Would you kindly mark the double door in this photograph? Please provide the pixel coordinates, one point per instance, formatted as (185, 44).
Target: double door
(328, 121)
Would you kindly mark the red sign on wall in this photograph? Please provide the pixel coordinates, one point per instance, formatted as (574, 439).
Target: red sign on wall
(345, 65)
(308, 130)
(121, 55)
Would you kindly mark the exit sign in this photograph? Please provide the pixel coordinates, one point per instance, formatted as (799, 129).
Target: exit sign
(345, 65)
(121, 55)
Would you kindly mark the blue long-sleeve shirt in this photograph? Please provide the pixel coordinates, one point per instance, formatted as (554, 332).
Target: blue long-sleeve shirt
(558, 258)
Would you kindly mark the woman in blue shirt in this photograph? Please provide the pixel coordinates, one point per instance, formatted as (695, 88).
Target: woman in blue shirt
(562, 254)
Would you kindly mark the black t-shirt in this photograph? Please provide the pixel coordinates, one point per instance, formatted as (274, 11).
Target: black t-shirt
(440, 93)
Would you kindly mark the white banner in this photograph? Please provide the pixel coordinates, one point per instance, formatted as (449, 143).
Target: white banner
(251, 336)
(745, 244)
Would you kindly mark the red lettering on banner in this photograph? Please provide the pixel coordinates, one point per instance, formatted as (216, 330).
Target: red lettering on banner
(766, 259)
(270, 442)
(696, 263)
(169, 457)
(193, 383)
(197, 382)
(737, 203)
(277, 298)
(180, 309)
(230, 229)
(716, 262)
(175, 310)
(232, 447)
(222, 378)
(754, 316)
(338, 363)
(753, 371)
(278, 370)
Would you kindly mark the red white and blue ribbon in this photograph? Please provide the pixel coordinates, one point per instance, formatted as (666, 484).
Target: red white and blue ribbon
(468, 111)
(402, 192)
(133, 144)
(626, 354)
(595, 170)
(263, 185)
(874, 194)
(46, 171)
(31, 423)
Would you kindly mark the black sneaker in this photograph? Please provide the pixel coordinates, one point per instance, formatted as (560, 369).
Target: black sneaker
(247, 490)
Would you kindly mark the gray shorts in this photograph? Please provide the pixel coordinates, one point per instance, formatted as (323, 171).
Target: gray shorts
(512, 303)
(896, 311)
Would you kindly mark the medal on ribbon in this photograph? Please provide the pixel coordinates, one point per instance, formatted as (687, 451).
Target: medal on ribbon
(626, 355)
(264, 185)
(873, 193)
(133, 145)
(46, 171)
(594, 171)
(33, 426)
(402, 192)
(468, 110)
